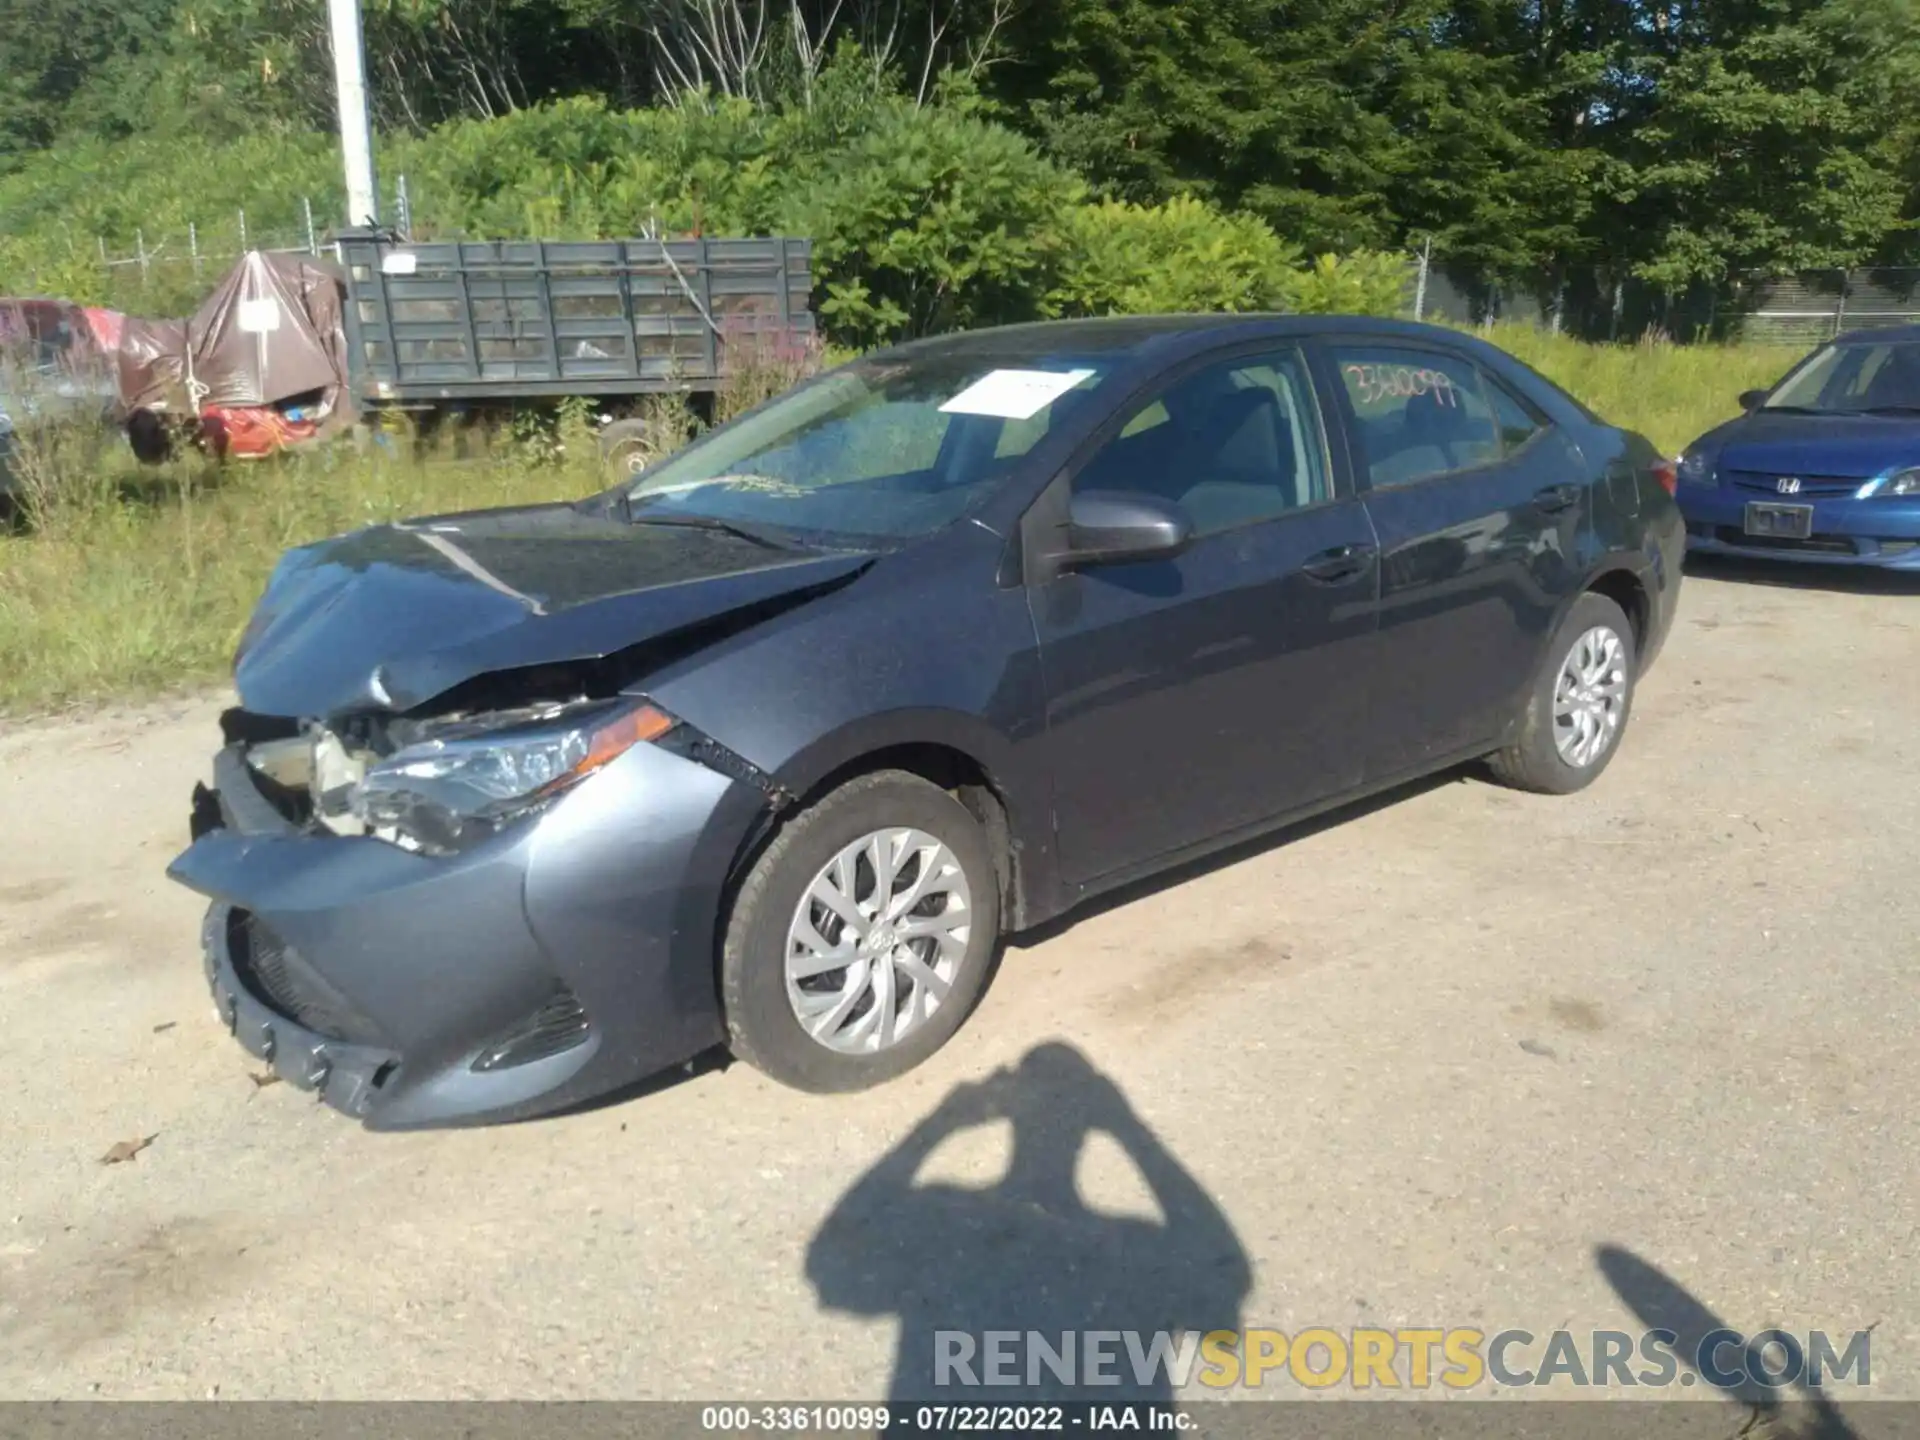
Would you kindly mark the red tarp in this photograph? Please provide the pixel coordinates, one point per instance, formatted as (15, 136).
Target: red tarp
(52, 333)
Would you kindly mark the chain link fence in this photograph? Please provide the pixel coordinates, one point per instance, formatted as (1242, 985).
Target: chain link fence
(169, 273)
(1789, 310)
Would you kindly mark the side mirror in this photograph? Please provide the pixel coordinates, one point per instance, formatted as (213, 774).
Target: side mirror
(1751, 400)
(1108, 526)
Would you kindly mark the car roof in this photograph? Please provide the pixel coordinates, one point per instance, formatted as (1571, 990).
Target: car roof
(1147, 344)
(1153, 337)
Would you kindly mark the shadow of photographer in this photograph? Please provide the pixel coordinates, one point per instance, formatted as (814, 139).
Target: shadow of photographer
(1026, 1254)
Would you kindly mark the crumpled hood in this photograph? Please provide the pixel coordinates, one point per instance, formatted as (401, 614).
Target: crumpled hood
(1854, 447)
(389, 617)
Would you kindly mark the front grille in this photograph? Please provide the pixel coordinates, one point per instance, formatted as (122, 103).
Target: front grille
(555, 1027)
(1815, 545)
(274, 973)
(1811, 486)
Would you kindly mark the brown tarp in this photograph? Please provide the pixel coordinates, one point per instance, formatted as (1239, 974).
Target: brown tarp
(151, 365)
(271, 331)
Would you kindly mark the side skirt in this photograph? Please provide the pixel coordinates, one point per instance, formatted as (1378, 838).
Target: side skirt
(1272, 825)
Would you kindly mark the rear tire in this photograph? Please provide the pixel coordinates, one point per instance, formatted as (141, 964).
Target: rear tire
(1579, 706)
(918, 942)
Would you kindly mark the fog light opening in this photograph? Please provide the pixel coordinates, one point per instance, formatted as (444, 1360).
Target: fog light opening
(556, 1027)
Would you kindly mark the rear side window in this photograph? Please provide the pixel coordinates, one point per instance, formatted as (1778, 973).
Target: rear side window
(1421, 414)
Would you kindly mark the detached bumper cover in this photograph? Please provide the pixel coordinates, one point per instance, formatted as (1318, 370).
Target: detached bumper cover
(346, 1076)
(391, 983)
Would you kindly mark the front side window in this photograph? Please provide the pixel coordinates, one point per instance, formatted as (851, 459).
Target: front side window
(1236, 442)
(878, 450)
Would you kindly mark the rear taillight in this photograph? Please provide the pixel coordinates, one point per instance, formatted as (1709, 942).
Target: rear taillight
(1668, 474)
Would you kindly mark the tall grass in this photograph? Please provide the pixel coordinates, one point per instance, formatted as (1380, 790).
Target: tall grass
(1672, 394)
(131, 581)
(148, 588)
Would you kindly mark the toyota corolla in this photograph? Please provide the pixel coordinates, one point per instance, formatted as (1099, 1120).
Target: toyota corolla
(769, 747)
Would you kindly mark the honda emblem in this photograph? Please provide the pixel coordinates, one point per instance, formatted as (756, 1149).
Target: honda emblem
(1787, 485)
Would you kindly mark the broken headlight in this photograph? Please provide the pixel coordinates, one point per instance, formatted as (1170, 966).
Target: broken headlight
(442, 794)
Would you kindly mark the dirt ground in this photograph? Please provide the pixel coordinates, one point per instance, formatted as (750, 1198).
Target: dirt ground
(1465, 1058)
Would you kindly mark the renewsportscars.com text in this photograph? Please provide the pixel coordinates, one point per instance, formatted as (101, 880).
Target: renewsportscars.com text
(1409, 1358)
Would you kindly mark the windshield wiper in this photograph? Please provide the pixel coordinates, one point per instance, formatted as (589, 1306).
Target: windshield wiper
(713, 526)
(1799, 410)
(1891, 410)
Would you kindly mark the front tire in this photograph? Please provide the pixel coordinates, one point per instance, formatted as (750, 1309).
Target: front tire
(861, 938)
(1579, 706)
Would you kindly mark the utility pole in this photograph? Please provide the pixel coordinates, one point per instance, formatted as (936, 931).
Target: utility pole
(356, 124)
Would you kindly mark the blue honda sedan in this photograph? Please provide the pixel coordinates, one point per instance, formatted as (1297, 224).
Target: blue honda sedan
(1825, 467)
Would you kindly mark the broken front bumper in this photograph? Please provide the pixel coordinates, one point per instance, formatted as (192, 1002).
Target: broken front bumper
(562, 959)
(345, 1075)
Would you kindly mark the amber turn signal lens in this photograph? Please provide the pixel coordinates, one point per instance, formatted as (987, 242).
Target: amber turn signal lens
(620, 734)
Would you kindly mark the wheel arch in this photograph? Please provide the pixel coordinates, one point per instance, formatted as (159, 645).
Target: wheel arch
(1622, 584)
(961, 754)
(1615, 578)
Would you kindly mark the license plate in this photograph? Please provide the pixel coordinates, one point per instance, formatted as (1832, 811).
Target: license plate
(1780, 522)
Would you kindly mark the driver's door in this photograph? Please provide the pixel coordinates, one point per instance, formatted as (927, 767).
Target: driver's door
(1196, 695)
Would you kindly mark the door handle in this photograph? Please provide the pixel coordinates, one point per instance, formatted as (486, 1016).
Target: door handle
(1342, 562)
(1557, 497)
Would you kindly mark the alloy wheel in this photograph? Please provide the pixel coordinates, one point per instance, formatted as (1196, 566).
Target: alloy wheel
(1590, 697)
(877, 940)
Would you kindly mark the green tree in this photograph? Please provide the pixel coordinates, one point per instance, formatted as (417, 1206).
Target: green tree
(930, 220)
(64, 62)
(1486, 159)
(1344, 123)
(1754, 134)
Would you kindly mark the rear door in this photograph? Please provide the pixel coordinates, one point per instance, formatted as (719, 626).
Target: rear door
(1478, 502)
(1192, 696)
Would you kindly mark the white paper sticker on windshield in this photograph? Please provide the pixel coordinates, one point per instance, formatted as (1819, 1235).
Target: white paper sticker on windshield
(1014, 394)
(399, 262)
(259, 316)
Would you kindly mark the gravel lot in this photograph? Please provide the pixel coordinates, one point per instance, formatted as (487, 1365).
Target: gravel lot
(1421, 1065)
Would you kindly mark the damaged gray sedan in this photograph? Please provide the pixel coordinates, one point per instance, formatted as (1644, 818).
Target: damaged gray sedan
(768, 747)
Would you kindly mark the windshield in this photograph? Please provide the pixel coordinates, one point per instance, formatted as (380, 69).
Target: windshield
(1859, 378)
(877, 450)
